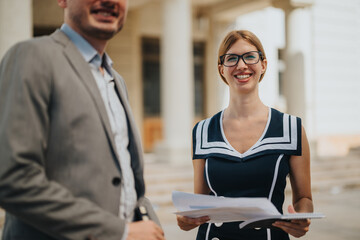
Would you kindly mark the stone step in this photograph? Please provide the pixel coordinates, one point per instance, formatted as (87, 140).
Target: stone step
(336, 183)
(168, 187)
(169, 176)
(331, 164)
(335, 174)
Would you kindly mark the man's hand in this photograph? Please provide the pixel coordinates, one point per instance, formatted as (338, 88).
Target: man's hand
(145, 230)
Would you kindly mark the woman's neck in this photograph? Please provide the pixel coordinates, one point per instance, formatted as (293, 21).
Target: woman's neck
(245, 106)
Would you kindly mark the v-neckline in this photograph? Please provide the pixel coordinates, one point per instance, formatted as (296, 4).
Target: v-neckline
(248, 151)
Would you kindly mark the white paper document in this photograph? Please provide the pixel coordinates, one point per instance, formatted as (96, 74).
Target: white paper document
(222, 209)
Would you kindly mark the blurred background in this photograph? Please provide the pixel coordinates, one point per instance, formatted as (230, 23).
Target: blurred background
(167, 53)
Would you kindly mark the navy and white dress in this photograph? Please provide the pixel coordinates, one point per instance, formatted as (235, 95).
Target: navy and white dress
(259, 172)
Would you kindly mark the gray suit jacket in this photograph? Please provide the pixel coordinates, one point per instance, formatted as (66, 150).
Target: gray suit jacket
(59, 173)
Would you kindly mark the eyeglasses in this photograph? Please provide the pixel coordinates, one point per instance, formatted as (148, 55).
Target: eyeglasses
(230, 60)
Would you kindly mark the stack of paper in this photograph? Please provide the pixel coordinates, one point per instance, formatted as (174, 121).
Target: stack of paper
(258, 211)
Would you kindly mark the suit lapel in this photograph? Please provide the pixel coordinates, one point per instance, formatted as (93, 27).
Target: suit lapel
(134, 139)
(81, 67)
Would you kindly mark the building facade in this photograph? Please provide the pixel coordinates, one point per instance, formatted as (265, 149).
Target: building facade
(167, 54)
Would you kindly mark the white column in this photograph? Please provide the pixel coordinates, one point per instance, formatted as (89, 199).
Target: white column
(15, 23)
(298, 82)
(217, 92)
(177, 82)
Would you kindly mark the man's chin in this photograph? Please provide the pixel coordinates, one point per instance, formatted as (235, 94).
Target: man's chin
(105, 33)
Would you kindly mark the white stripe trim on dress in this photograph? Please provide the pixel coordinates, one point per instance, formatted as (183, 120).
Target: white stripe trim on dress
(208, 181)
(287, 142)
(275, 176)
(213, 147)
(276, 171)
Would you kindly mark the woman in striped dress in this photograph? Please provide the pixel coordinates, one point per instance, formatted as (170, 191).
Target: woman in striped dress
(248, 149)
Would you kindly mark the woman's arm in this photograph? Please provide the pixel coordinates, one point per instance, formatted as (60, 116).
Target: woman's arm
(301, 190)
(300, 178)
(200, 187)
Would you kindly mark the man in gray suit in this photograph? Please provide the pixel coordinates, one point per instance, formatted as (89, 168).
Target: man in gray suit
(71, 162)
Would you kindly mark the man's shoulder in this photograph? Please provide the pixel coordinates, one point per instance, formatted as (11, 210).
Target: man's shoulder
(39, 54)
(40, 43)
(35, 41)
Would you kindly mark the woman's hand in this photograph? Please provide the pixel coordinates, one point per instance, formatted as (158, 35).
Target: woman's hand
(296, 228)
(186, 223)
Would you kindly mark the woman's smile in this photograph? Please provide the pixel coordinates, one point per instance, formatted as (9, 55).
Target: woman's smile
(243, 77)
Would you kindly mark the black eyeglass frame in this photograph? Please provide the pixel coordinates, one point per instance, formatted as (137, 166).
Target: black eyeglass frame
(241, 57)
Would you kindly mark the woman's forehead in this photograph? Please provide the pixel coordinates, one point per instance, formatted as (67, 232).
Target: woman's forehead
(241, 46)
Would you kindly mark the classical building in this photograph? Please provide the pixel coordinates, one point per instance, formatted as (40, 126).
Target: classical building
(167, 53)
